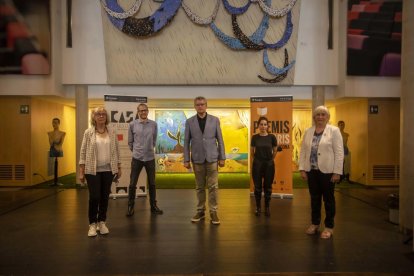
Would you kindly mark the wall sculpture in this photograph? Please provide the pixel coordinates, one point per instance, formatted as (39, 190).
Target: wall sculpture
(200, 41)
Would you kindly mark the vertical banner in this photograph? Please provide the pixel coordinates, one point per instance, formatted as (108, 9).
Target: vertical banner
(122, 110)
(278, 110)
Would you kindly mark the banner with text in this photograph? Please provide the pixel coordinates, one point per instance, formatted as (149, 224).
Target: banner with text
(122, 110)
(278, 110)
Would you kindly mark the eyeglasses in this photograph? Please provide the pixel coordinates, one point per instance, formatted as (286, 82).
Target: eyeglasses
(142, 111)
(99, 114)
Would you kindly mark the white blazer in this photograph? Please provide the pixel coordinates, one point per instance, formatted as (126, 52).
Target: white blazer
(330, 151)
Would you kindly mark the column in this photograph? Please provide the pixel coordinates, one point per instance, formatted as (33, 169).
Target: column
(407, 119)
(318, 96)
(81, 99)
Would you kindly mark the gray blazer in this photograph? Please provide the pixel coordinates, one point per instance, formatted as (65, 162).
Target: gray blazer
(207, 146)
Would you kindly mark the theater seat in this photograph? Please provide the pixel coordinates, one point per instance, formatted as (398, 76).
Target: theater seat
(352, 15)
(6, 10)
(35, 64)
(363, 62)
(391, 65)
(372, 7)
(15, 30)
(22, 47)
(355, 41)
(398, 17)
(382, 45)
(358, 8)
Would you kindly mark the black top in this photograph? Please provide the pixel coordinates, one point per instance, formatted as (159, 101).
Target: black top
(202, 122)
(263, 146)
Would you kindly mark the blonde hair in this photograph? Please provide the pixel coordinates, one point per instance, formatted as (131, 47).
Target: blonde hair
(96, 110)
(321, 109)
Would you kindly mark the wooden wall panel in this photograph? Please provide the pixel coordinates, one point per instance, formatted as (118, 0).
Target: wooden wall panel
(355, 116)
(384, 142)
(15, 144)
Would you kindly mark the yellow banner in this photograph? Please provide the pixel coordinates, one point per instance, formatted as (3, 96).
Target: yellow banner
(278, 110)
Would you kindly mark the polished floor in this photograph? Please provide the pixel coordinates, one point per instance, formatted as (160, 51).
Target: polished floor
(44, 232)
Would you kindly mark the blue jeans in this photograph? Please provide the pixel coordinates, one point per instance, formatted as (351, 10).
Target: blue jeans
(136, 168)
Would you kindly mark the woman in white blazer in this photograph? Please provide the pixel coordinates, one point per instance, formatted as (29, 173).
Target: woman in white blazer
(99, 165)
(321, 164)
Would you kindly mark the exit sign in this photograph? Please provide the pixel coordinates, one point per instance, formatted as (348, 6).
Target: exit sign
(373, 109)
(24, 109)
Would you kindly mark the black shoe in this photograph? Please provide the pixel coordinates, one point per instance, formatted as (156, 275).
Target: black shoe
(130, 211)
(156, 210)
(267, 212)
(257, 212)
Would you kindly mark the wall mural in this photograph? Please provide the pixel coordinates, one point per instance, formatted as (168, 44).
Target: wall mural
(170, 142)
(260, 28)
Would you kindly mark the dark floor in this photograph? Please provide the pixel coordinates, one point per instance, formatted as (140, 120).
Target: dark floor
(44, 231)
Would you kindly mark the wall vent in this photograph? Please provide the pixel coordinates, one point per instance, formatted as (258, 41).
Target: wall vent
(6, 172)
(385, 172)
(19, 172)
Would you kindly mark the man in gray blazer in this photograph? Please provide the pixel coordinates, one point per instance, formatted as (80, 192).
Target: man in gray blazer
(203, 138)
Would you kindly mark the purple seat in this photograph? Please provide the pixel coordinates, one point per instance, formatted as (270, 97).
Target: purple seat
(391, 65)
(356, 41)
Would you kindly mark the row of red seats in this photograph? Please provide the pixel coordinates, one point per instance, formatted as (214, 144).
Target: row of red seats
(376, 6)
(397, 16)
(375, 18)
(374, 38)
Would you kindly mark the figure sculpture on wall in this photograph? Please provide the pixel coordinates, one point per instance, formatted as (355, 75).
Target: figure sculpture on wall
(56, 138)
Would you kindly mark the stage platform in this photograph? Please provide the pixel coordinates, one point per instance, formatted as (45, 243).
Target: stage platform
(44, 232)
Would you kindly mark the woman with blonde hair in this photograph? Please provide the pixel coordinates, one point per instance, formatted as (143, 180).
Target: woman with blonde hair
(99, 165)
(320, 163)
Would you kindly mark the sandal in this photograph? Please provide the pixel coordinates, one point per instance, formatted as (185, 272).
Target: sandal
(327, 233)
(312, 229)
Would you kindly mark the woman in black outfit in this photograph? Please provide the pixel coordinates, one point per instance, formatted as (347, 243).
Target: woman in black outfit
(264, 149)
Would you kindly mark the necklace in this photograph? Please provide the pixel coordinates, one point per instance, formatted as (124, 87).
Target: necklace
(101, 132)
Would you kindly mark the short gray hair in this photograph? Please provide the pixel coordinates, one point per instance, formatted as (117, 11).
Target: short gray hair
(200, 98)
(96, 110)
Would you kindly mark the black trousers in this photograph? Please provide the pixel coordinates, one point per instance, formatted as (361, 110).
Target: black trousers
(321, 187)
(99, 186)
(136, 168)
(263, 173)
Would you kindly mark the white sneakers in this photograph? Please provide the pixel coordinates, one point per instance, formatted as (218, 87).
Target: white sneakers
(92, 230)
(100, 226)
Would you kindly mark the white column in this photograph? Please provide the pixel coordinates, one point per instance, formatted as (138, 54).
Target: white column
(318, 96)
(81, 99)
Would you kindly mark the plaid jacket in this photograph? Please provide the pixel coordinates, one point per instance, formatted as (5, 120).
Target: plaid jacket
(88, 151)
